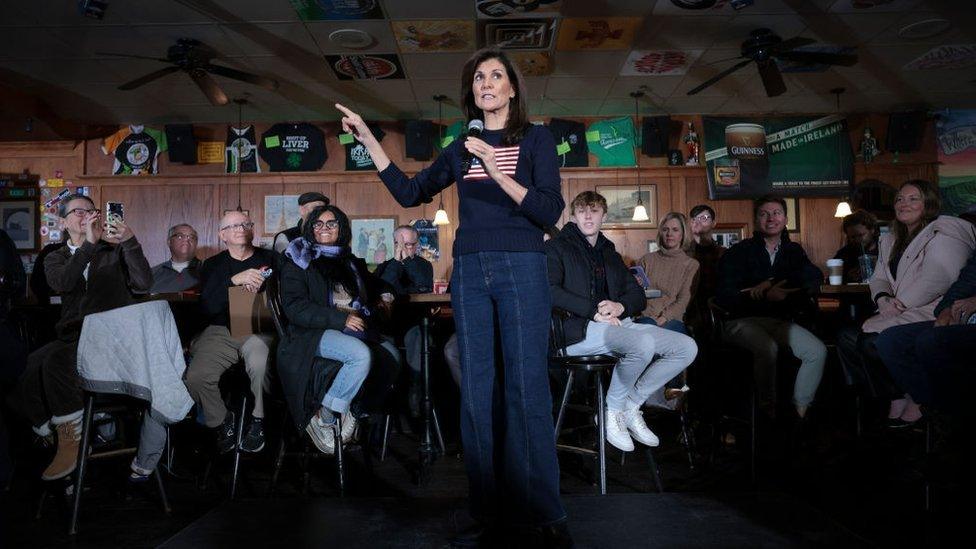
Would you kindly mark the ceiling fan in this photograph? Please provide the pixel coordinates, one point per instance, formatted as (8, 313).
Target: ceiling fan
(764, 47)
(194, 58)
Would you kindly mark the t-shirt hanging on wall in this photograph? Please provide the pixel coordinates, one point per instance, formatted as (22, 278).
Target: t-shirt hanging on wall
(241, 139)
(136, 149)
(612, 141)
(570, 138)
(290, 147)
(357, 157)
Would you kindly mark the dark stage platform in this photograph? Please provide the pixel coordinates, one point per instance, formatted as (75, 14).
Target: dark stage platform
(620, 521)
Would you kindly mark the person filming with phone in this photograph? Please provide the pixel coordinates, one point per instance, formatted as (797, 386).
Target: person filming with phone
(99, 269)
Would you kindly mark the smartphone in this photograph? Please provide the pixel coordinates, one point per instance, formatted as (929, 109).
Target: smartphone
(114, 212)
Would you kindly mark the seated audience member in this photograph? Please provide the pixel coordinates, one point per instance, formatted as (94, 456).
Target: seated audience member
(306, 203)
(764, 282)
(588, 278)
(408, 273)
(706, 252)
(917, 262)
(181, 271)
(333, 306)
(932, 361)
(98, 270)
(670, 270)
(214, 351)
(862, 233)
(13, 281)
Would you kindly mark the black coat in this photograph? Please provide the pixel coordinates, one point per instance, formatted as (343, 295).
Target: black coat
(305, 304)
(571, 280)
(747, 264)
(964, 287)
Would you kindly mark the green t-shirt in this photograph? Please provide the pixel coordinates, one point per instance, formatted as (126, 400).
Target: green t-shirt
(612, 141)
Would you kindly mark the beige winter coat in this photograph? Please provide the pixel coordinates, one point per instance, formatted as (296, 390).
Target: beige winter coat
(930, 264)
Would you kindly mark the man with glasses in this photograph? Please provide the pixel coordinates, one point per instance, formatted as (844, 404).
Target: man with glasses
(408, 273)
(98, 269)
(765, 283)
(706, 252)
(181, 271)
(214, 351)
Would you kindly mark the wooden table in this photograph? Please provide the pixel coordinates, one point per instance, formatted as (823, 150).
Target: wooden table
(429, 302)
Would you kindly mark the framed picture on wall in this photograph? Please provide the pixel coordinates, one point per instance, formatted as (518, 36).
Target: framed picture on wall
(728, 234)
(792, 214)
(372, 238)
(621, 201)
(20, 219)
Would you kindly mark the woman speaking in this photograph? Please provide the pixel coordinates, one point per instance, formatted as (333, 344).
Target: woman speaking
(509, 192)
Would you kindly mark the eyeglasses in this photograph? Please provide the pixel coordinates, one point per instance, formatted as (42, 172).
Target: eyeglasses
(184, 236)
(409, 244)
(81, 212)
(910, 199)
(702, 218)
(329, 225)
(239, 226)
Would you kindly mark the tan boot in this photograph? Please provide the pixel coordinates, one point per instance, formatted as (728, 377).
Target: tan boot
(66, 459)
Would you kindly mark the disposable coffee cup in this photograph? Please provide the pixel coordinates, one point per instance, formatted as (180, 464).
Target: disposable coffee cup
(835, 271)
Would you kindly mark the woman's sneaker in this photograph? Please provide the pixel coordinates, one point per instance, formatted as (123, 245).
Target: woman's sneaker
(617, 431)
(633, 420)
(322, 434)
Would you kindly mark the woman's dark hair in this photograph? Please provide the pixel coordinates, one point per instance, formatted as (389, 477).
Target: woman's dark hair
(518, 118)
(863, 218)
(345, 230)
(933, 203)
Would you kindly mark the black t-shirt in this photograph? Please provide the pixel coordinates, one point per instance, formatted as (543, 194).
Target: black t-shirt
(215, 275)
(601, 291)
(573, 134)
(293, 147)
(240, 142)
(357, 157)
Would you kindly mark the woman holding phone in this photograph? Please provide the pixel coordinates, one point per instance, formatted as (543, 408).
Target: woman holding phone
(510, 192)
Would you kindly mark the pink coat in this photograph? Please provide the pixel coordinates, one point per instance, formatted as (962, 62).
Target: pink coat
(930, 264)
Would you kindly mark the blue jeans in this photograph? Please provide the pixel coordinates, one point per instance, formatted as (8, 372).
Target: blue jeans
(933, 365)
(355, 357)
(674, 324)
(506, 415)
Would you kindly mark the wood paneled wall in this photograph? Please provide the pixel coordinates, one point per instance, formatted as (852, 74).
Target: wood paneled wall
(199, 194)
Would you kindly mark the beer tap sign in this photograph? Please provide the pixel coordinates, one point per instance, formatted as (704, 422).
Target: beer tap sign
(794, 156)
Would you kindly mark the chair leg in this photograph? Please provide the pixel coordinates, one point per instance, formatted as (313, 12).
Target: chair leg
(753, 430)
(340, 467)
(386, 436)
(562, 406)
(688, 437)
(601, 440)
(437, 429)
(279, 460)
(82, 462)
(655, 472)
(162, 491)
(858, 429)
(237, 447)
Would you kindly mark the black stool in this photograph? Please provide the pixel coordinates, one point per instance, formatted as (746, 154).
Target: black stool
(561, 361)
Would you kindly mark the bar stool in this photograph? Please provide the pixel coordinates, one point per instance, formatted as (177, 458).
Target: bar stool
(598, 365)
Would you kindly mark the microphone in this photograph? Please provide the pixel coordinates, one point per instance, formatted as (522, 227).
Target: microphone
(475, 127)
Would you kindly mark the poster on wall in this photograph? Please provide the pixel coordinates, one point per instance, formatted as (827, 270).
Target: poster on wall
(957, 161)
(428, 244)
(280, 212)
(20, 220)
(792, 156)
(372, 238)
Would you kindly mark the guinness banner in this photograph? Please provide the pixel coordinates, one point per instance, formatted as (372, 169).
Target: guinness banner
(796, 156)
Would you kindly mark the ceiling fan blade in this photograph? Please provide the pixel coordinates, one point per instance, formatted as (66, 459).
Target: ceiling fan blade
(720, 76)
(818, 58)
(110, 54)
(795, 42)
(209, 87)
(148, 78)
(227, 72)
(771, 78)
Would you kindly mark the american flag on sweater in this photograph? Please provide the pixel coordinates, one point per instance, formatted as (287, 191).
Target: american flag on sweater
(505, 157)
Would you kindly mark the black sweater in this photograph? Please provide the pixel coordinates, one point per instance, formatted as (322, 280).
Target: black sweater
(414, 275)
(573, 285)
(489, 219)
(215, 278)
(747, 264)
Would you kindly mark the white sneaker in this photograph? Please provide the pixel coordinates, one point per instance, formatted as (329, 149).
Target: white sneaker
(617, 431)
(348, 427)
(633, 420)
(322, 435)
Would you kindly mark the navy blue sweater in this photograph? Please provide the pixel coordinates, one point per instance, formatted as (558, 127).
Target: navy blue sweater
(490, 219)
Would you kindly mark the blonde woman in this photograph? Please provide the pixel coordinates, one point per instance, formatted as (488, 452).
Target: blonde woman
(671, 271)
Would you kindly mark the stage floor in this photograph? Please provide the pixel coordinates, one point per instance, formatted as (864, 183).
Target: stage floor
(617, 520)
